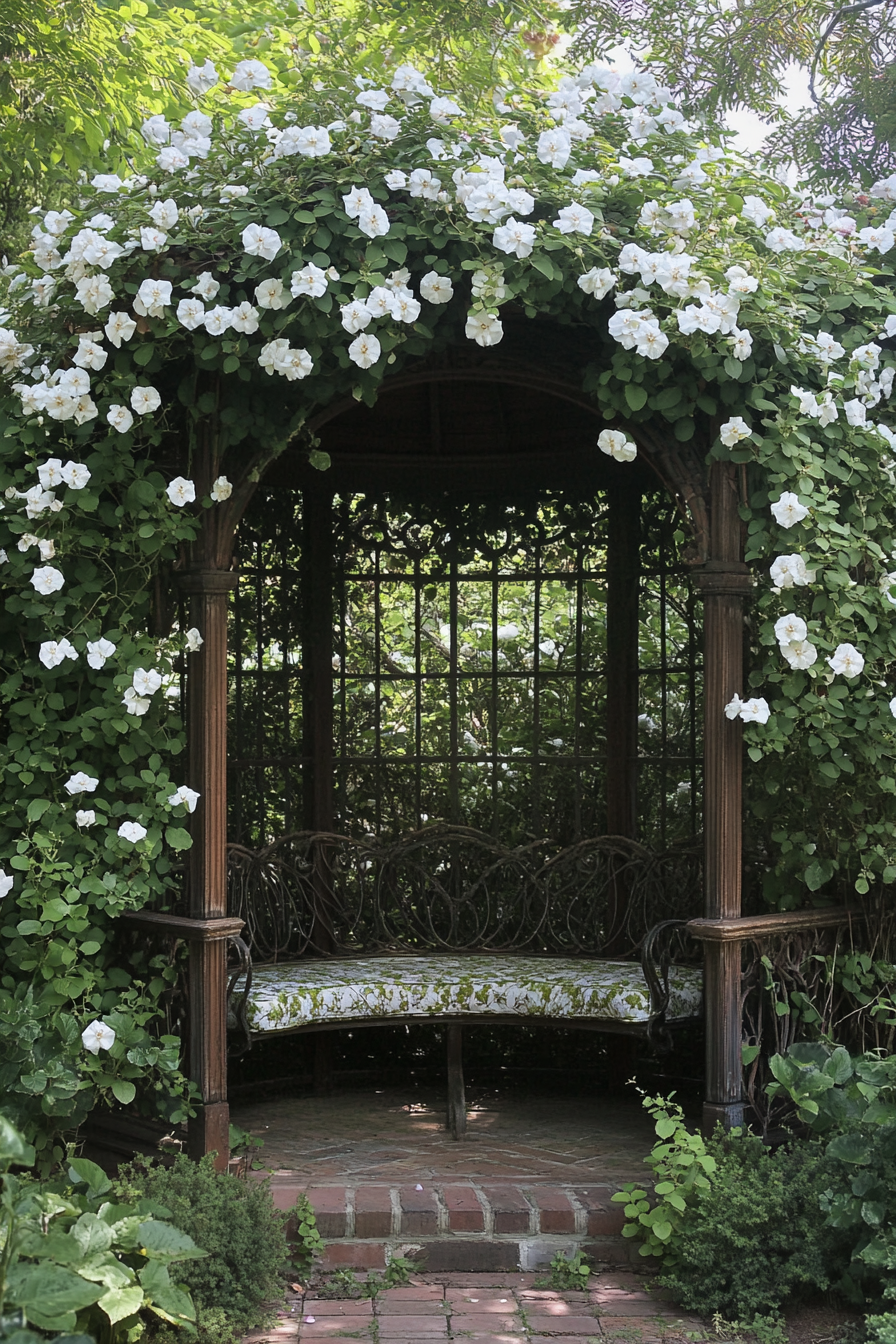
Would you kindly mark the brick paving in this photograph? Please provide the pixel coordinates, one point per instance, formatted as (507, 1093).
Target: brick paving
(488, 1309)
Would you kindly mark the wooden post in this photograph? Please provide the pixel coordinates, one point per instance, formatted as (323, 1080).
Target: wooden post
(209, 1131)
(623, 579)
(724, 583)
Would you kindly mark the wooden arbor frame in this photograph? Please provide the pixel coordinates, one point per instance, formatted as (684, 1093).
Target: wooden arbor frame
(712, 499)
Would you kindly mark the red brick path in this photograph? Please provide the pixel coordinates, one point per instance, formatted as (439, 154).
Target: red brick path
(488, 1309)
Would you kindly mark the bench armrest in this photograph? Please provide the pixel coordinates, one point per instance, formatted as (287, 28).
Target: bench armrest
(668, 943)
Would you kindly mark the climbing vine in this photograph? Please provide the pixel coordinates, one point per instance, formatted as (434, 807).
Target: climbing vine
(262, 261)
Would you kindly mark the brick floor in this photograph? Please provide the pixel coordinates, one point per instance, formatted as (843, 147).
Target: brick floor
(479, 1309)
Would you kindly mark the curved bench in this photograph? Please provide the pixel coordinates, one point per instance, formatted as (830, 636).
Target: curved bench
(345, 932)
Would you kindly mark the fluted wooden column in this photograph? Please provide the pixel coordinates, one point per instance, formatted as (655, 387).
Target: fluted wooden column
(207, 590)
(724, 583)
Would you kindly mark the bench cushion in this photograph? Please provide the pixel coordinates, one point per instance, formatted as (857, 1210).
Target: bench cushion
(297, 994)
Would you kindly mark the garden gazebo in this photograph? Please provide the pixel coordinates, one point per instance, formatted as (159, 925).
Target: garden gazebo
(278, 433)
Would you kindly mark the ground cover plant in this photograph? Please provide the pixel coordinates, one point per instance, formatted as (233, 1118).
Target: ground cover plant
(281, 251)
(77, 1262)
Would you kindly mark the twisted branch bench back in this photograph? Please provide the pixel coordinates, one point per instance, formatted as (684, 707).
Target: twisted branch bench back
(455, 889)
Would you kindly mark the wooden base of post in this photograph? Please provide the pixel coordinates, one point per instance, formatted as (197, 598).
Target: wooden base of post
(209, 1132)
(728, 1114)
(457, 1102)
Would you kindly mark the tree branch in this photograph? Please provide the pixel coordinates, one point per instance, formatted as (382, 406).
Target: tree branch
(843, 12)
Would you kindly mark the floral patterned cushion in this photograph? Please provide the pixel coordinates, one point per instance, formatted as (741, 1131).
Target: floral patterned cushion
(301, 993)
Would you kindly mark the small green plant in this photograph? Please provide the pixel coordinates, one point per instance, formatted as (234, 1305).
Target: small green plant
(684, 1167)
(242, 1145)
(236, 1222)
(762, 1329)
(569, 1271)
(396, 1274)
(344, 1281)
(308, 1241)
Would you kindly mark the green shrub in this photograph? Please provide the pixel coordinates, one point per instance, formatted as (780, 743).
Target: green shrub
(235, 1221)
(756, 1238)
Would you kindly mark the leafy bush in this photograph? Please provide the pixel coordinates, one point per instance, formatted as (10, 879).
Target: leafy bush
(72, 1260)
(236, 1223)
(755, 1239)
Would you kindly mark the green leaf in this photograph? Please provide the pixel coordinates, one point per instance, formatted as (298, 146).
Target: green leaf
(635, 395)
(850, 1148)
(119, 1303)
(123, 1091)
(178, 838)
(161, 1241)
(50, 1291)
(37, 807)
(84, 1172)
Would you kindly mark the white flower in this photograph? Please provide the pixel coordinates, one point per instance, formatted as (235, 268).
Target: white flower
(181, 491)
(94, 292)
(52, 652)
(251, 75)
(206, 286)
(279, 357)
(734, 430)
(152, 240)
(597, 282)
(152, 298)
(90, 354)
(756, 211)
(85, 817)
(47, 580)
(120, 418)
(741, 344)
(261, 242)
(244, 318)
(374, 222)
(483, 328)
(98, 650)
(435, 288)
(442, 109)
(650, 341)
(164, 214)
(788, 510)
(846, 659)
(734, 707)
(255, 118)
(385, 127)
(355, 316)
(310, 280)
(120, 327)
(358, 199)
(189, 797)
(134, 703)
(271, 294)
(80, 783)
(892, 711)
(423, 184)
(191, 313)
(755, 711)
(554, 147)
(221, 490)
(614, 443)
(311, 141)
(789, 571)
(145, 400)
(395, 180)
(799, 653)
(790, 627)
(97, 1036)
(405, 307)
(5, 884)
(680, 216)
(364, 350)
(155, 130)
(50, 474)
(170, 159)
(109, 182)
(132, 830)
(515, 237)
(218, 320)
(194, 640)
(201, 78)
(146, 681)
(856, 414)
(574, 219)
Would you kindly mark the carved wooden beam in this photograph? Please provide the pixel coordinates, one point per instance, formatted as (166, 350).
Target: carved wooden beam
(770, 926)
(190, 930)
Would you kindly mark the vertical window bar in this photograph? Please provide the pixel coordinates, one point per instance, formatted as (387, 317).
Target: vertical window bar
(454, 782)
(493, 714)
(537, 822)
(418, 695)
(377, 683)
